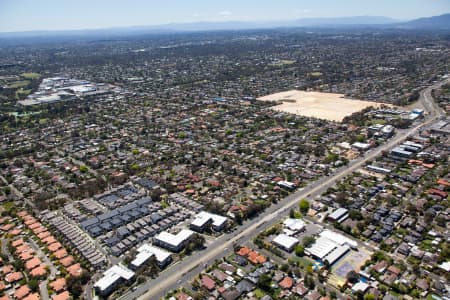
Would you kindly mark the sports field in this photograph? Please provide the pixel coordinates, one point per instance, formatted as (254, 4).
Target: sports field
(328, 106)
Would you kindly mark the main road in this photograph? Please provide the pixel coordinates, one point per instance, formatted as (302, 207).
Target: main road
(181, 272)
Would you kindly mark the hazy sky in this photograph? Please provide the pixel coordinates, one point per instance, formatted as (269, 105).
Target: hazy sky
(24, 15)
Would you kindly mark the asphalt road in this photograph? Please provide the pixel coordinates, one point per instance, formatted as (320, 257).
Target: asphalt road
(183, 271)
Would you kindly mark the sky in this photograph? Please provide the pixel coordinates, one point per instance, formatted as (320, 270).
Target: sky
(29, 15)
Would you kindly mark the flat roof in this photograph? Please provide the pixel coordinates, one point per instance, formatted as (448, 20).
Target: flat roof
(334, 255)
(285, 241)
(202, 217)
(338, 213)
(338, 238)
(174, 239)
(400, 150)
(322, 247)
(294, 224)
(112, 275)
(146, 251)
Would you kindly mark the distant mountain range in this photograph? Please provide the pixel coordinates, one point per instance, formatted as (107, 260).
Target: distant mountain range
(432, 23)
(438, 22)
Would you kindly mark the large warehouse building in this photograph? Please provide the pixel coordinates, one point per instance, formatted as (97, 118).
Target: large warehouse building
(330, 247)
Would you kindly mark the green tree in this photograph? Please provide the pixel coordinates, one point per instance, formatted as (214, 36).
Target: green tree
(264, 282)
(299, 250)
(369, 296)
(33, 284)
(83, 169)
(352, 277)
(304, 206)
(308, 241)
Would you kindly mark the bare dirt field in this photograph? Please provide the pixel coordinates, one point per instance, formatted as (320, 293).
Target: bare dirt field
(328, 106)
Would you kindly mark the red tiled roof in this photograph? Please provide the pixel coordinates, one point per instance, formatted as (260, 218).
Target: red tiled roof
(22, 213)
(443, 182)
(286, 283)
(54, 247)
(244, 251)
(17, 243)
(7, 269)
(49, 240)
(58, 285)
(13, 277)
(43, 235)
(34, 296)
(62, 296)
(67, 261)
(438, 193)
(26, 255)
(208, 282)
(61, 253)
(32, 263)
(7, 227)
(38, 271)
(15, 232)
(256, 258)
(394, 270)
(23, 248)
(183, 296)
(21, 292)
(39, 229)
(74, 270)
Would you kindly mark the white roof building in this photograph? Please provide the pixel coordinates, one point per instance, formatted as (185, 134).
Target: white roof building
(112, 276)
(339, 238)
(294, 224)
(321, 247)
(286, 242)
(361, 146)
(445, 266)
(338, 214)
(146, 251)
(80, 89)
(204, 217)
(360, 286)
(330, 246)
(173, 241)
(337, 252)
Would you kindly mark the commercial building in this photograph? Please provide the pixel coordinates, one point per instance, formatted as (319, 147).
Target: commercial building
(339, 238)
(295, 225)
(287, 185)
(330, 247)
(388, 130)
(205, 219)
(146, 251)
(401, 152)
(378, 169)
(111, 278)
(173, 242)
(339, 215)
(361, 146)
(285, 242)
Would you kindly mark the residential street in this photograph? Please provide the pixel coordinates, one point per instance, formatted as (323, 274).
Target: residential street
(183, 271)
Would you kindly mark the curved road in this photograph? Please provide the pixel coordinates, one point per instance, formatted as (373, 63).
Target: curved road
(181, 272)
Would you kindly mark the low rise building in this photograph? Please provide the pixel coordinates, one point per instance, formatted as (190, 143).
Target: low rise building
(146, 251)
(173, 242)
(205, 219)
(111, 278)
(285, 242)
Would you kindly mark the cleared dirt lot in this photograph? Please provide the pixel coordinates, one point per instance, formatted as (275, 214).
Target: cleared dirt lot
(328, 106)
